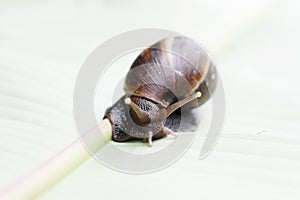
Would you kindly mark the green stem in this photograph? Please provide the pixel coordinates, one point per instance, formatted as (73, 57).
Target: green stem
(59, 166)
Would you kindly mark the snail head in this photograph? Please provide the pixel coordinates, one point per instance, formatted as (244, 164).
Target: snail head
(137, 117)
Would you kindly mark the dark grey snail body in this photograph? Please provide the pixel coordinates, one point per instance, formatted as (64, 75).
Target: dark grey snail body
(165, 78)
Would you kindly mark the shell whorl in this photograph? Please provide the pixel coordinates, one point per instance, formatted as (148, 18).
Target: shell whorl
(169, 70)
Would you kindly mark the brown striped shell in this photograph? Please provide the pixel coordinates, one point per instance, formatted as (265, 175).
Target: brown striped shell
(172, 69)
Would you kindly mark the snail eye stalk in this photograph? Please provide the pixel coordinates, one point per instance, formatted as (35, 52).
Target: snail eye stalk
(142, 115)
(163, 113)
(181, 103)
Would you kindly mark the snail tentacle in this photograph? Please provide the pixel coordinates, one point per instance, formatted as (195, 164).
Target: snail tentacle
(142, 115)
(170, 109)
(149, 140)
(168, 131)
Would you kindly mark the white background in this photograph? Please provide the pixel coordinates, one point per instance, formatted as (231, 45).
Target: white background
(255, 44)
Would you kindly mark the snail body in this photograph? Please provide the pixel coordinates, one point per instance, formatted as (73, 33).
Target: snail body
(175, 73)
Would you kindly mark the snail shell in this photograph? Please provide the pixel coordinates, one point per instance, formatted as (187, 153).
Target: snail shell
(169, 64)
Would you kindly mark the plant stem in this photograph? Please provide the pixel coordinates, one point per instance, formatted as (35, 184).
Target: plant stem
(59, 166)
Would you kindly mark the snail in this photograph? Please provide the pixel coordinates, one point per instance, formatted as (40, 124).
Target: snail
(172, 75)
